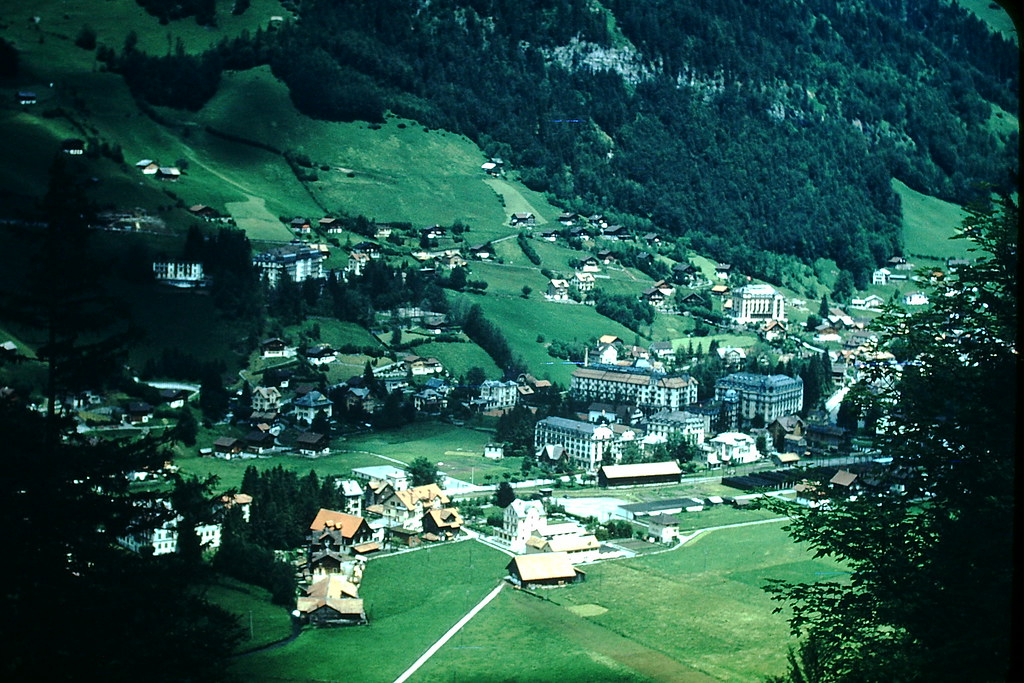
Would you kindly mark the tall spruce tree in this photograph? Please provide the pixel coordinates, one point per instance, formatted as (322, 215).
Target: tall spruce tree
(65, 498)
(929, 548)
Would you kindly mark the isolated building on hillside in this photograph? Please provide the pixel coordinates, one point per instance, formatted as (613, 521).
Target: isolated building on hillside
(183, 274)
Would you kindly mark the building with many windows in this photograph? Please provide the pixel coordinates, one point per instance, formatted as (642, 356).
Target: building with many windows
(585, 446)
(298, 261)
(758, 303)
(770, 396)
(646, 388)
(179, 273)
(691, 426)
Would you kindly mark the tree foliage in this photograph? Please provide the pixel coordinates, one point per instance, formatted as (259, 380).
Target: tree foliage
(422, 471)
(929, 593)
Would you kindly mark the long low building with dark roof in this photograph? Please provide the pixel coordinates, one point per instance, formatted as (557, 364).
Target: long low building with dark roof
(646, 388)
(639, 474)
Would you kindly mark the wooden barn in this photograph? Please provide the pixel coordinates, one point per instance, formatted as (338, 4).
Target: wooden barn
(543, 569)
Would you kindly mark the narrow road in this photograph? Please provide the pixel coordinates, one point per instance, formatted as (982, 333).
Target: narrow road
(448, 636)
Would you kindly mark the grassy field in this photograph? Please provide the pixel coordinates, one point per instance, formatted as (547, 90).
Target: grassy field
(694, 614)
(408, 610)
(992, 14)
(929, 223)
(262, 622)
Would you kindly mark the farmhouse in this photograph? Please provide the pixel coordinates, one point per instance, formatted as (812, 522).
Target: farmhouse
(639, 474)
(543, 569)
(333, 531)
(328, 602)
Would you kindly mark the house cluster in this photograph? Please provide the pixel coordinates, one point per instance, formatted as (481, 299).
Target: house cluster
(547, 549)
(632, 406)
(149, 167)
(160, 535)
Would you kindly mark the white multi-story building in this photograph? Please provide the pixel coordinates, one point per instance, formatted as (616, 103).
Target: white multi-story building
(496, 395)
(732, 448)
(586, 446)
(757, 303)
(645, 388)
(522, 519)
(668, 422)
(163, 540)
(266, 399)
(179, 273)
(298, 261)
(770, 396)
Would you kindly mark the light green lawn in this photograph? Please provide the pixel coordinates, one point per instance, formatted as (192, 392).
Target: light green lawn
(929, 223)
(262, 622)
(714, 584)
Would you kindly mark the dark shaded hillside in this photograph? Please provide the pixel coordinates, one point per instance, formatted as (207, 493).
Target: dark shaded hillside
(764, 133)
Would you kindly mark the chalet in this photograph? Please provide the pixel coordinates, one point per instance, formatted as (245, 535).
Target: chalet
(590, 265)
(915, 299)
(490, 168)
(773, 330)
(522, 218)
(273, 348)
(549, 235)
(579, 233)
(494, 451)
(661, 349)
(139, 412)
(227, 447)
(336, 531)
(312, 444)
(328, 603)
(482, 251)
(320, 355)
(152, 168)
(871, 301)
(543, 569)
(558, 290)
(825, 436)
(684, 273)
(419, 366)
(786, 459)
(606, 257)
(652, 238)
(372, 250)
(583, 282)
(723, 270)
(258, 441)
(616, 232)
(568, 217)
(641, 474)
(171, 173)
(307, 407)
(844, 483)
(207, 213)
(332, 226)
(406, 507)
(434, 232)
(441, 525)
(653, 297)
(578, 547)
(174, 398)
(300, 225)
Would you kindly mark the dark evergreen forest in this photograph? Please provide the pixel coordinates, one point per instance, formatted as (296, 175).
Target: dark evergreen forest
(763, 133)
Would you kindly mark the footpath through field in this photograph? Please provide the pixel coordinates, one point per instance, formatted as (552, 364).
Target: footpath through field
(451, 632)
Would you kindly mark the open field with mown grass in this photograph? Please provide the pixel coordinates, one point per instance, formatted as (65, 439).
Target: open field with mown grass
(408, 609)
(692, 614)
(928, 225)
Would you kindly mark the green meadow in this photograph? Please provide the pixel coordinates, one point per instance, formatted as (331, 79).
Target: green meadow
(929, 224)
(408, 609)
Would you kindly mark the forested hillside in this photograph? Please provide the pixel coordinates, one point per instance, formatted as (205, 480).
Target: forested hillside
(764, 132)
